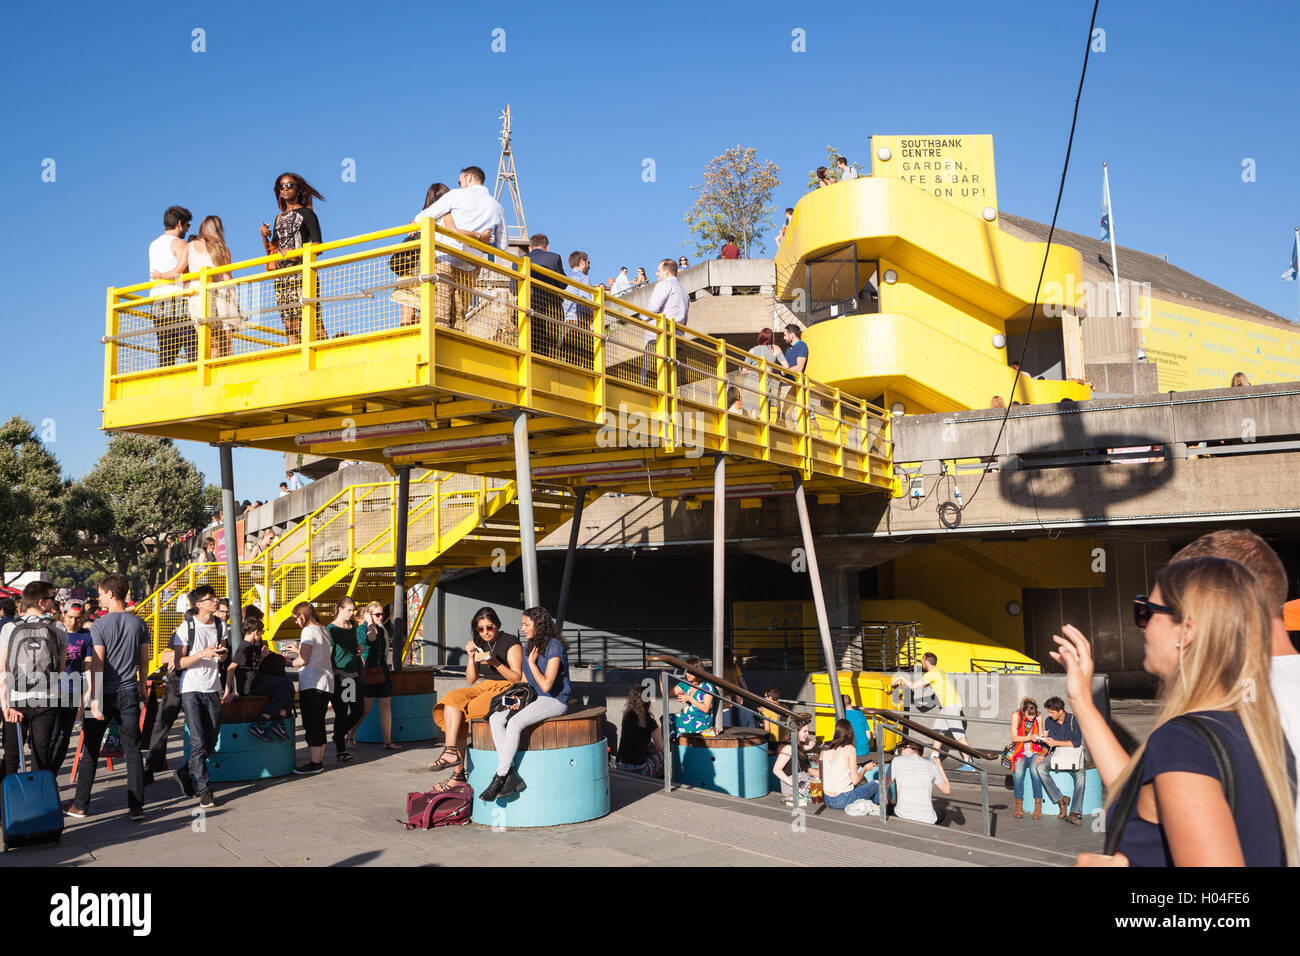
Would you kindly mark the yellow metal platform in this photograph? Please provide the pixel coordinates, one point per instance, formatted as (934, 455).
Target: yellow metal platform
(617, 399)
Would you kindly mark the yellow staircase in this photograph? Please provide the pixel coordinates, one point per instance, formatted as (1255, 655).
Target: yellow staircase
(346, 547)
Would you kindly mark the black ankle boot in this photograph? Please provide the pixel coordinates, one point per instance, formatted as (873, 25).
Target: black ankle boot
(514, 783)
(491, 791)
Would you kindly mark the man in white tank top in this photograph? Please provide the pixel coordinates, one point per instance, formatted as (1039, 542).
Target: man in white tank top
(168, 256)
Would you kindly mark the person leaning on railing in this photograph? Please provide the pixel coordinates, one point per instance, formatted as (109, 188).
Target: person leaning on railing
(496, 657)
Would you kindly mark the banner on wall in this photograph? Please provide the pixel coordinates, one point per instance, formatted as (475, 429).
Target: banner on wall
(956, 168)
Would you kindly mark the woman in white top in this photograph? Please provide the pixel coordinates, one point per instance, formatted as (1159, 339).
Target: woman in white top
(315, 683)
(210, 249)
(841, 776)
(765, 350)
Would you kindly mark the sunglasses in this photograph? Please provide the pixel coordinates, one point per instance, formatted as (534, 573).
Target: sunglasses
(484, 628)
(284, 186)
(1144, 607)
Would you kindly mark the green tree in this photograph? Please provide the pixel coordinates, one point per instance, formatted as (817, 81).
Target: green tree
(32, 493)
(140, 490)
(832, 171)
(735, 200)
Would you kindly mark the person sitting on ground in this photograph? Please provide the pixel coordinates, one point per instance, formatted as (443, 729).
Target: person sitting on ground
(496, 663)
(696, 714)
(841, 776)
(914, 776)
(546, 666)
(1062, 730)
(372, 647)
(771, 720)
(256, 669)
(640, 740)
(861, 727)
(807, 744)
(315, 684)
(1207, 629)
(1026, 732)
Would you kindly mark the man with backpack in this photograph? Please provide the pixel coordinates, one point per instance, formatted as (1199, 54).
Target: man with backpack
(256, 669)
(32, 653)
(200, 652)
(115, 690)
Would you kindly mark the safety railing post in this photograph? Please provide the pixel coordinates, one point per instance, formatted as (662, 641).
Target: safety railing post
(670, 746)
(204, 336)
(310, 309)
(523, 311)
(428, 299)
(352, 525)
(598, 351)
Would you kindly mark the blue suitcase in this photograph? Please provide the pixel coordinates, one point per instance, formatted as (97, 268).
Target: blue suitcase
(32, 813)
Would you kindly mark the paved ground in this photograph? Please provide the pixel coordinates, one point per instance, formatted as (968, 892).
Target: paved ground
(348, 816)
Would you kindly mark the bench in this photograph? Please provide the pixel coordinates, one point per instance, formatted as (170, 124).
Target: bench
(412, 702)
(564, 762)
(241, 756)
(734, 762)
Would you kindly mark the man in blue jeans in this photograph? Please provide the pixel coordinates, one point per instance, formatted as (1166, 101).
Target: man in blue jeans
(1062, 730)
(119, 663)
(200, 653)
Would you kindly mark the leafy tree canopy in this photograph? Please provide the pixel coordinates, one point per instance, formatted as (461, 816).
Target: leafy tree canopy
(734, 200)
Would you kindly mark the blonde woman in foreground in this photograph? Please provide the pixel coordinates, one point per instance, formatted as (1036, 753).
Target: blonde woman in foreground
(1207, 631)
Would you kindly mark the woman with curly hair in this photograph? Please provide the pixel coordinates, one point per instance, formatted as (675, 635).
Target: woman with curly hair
(546, 668)
(294, 226)
(640, 741)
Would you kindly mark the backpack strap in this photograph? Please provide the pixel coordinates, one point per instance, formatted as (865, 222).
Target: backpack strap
(1127, 799)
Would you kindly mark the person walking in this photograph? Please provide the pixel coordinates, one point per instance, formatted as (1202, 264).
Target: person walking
(115, 691)
(33, 652)
(200, 657)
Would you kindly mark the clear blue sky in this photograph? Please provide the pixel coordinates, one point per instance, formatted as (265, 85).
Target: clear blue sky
(136, 121)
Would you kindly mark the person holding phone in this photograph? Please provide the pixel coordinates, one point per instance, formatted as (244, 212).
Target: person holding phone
(315, 684)
(841, 776)
(1026, 734)
(294, 227)
(200, 654)
(495, 663)
(546, 667)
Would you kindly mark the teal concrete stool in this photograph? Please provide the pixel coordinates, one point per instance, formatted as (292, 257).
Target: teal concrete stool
(412, 703)
(564, 763)
(241, 756)
(735, 762)
(1092, 795)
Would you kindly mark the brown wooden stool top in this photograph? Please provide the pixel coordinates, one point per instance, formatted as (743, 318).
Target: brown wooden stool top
(578, 728)
(729, 739)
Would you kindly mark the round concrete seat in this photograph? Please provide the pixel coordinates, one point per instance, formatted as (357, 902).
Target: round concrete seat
(413, 699)
(734, 762)
(241, 756)
(1092, 792)
(564, 763)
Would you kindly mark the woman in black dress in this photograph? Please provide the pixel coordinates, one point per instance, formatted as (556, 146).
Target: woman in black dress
(295, 226)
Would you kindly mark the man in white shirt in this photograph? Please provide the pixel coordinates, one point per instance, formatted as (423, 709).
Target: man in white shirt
(670, 299)
(847, 172)
(473, 210)
(198, 648)
(914, 776)
(169, 258)
(622, 282)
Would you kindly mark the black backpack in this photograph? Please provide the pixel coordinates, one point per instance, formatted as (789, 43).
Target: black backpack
(175, 672)
(33, 661)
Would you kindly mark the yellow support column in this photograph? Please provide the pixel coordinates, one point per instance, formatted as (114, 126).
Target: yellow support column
(525, 319)
(204, 331)
(310, 309)
(598, 354)
(428, 321)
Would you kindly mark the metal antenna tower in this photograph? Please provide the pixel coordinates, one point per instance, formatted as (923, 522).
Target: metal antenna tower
(506, 174)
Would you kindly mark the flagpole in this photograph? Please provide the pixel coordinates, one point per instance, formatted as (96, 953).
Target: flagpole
(1110, 218)
(1297, 246)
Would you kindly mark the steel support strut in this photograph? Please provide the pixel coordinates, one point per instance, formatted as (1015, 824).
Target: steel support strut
(527, 529)
(235, 626)
(819, 599)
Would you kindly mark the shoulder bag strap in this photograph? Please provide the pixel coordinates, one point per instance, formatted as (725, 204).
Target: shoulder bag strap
(1122, 809)
(1227, 775)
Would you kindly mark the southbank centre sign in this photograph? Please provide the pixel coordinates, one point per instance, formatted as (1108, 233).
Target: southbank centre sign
(958, 169)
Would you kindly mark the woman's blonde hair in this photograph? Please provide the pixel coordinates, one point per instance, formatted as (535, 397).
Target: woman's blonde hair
(1226, 667)
(214, 237)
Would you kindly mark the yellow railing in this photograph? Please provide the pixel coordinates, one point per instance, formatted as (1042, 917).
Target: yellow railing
(590, 351)
(352, 531)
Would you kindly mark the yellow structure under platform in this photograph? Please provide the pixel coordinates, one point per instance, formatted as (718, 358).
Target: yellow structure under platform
(346, 547)
(371, 348)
